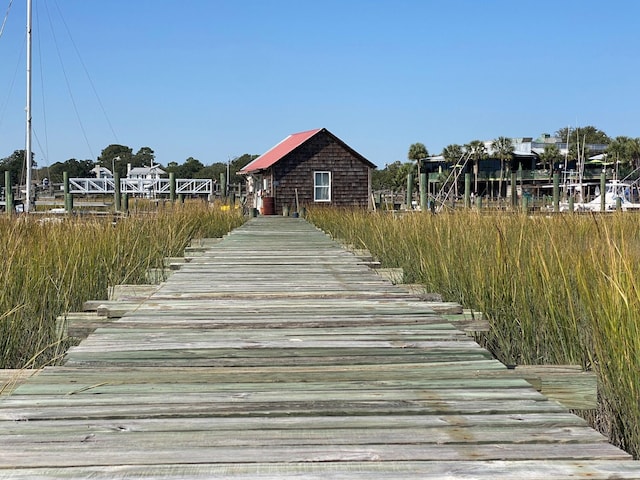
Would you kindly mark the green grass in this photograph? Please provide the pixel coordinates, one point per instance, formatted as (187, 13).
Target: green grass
(52, 267)
(556, 290)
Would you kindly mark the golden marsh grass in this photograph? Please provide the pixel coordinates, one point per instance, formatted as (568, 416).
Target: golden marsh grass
(51, 267)
(556, 289)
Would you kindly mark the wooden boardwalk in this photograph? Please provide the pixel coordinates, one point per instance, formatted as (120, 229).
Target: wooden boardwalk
(278, 354)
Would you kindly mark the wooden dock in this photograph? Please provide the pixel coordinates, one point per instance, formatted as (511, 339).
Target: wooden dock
(276, 354)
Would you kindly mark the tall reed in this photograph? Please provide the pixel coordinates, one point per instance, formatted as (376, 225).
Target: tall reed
(52, 267)
(560, 289)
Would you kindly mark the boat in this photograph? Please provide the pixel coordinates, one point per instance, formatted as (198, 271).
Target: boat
(617, 193)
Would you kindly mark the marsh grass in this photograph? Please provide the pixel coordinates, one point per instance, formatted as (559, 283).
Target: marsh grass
(52, 267)
(556, 290)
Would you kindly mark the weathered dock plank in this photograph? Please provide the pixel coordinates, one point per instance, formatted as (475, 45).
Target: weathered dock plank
(275, 353)
(11, 378)
(351, 470)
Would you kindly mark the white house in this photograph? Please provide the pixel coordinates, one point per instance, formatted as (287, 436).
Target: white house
(101, 172)
(145, 173)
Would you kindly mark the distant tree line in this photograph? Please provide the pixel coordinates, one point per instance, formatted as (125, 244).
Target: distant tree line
(118, 158)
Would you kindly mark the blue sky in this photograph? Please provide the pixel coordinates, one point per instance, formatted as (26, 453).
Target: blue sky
(214, 79)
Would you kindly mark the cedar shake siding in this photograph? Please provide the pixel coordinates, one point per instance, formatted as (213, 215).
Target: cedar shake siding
(349, 175)
(291, 166)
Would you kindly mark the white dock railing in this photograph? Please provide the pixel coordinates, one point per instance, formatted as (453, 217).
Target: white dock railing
(142, 187)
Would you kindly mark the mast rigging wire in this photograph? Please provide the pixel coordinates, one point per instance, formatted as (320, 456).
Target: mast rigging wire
(68, 84)
(86, 72)
(6, 15)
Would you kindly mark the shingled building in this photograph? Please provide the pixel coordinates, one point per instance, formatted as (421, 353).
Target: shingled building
(308, 168)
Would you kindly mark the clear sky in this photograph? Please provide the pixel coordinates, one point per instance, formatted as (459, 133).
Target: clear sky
(213, 79)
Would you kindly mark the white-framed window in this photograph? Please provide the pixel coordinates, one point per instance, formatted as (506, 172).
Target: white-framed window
(321, 186)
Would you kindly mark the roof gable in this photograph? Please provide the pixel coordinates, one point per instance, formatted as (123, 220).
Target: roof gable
(146, 170)
(288, 145)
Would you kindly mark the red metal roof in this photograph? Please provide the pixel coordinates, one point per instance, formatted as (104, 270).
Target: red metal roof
(286, 146)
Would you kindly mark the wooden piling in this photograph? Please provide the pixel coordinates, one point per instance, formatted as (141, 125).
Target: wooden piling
(603, 190)
(172, 187)
(423, 192)
(409, 190)
(8, 193)
(116, 192)
(556, 192)
(68, 199)
(467, 190)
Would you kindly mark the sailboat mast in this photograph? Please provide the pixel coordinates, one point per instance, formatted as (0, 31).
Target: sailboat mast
(27, 153)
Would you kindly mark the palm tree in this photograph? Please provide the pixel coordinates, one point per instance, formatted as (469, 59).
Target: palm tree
(624, 151)
(634, 151)
(550, 156)
(619, 151)
(503, 150)
(452, 153)
(417, 153)
(477, 152)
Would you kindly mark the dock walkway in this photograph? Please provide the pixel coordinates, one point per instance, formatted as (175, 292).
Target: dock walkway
(278, 354)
